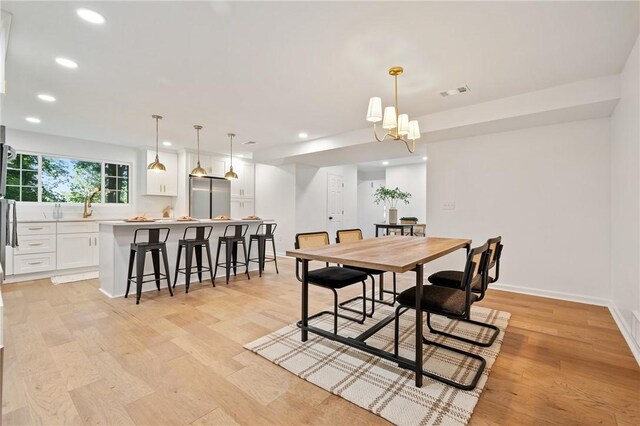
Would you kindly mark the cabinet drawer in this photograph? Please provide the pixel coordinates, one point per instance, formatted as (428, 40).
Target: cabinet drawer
(77, 227)
(36, 244)
(34, 263)
(36, 228)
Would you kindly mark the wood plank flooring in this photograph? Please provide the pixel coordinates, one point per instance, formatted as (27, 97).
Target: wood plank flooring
(73, 356)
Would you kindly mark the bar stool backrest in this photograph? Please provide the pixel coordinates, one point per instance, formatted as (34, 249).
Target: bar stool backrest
(267, 229)
(197, 232)
(236, 230)
(153, 235)
(348, 235)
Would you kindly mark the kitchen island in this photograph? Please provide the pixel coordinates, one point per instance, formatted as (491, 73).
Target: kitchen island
(116, 238)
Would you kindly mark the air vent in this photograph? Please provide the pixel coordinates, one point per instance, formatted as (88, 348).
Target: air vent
(456, 91)
(249, 143)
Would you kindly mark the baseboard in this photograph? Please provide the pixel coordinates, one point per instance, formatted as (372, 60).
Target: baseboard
(570, 297)
(626, 332)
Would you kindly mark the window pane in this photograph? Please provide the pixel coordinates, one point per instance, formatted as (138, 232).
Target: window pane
(123, 184)
(110, 169)
(29, 178)
(123, 171)
(29, 162)
(15, 163)
(13, 177)
(112, 196)
(111, 183)
(29, 193)
(123, 197)
(66, 180)
(13, 193)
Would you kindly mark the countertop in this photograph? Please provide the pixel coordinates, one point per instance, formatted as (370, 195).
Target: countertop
(68, 219)
(165, 222)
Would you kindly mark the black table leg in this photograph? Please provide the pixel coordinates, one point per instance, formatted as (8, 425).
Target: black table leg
(377, 228)
(419, 323)
(305, 301)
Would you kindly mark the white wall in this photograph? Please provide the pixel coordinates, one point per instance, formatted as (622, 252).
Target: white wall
(368, 212)
(544, 189)
(410, 178)
(625, 197)
(84, 149)
(275, 194)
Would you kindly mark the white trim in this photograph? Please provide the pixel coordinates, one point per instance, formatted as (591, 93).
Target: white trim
(626, 333)
(571, 297)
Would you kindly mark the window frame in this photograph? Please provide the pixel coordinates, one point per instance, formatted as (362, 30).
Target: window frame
(77, 158)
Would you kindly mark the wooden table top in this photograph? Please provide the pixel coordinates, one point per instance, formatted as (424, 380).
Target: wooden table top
(392, 253)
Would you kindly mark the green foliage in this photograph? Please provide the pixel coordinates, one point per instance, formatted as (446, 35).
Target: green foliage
(409, 218)
(390, 196)
(69, 181)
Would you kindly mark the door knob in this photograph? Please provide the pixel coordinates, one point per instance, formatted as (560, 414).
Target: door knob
(330, 217)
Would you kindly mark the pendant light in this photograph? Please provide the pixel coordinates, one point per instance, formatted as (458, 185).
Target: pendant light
(230, 175)
(156, 166)
(198, 171)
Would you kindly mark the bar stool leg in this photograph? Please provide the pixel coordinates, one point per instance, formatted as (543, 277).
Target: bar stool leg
(250, 244)
(275, 256)
(175, 279)
(261, 254)
(229, 250)
(215, 270)
(187, 266)
(166, 270)
(235, 257)
(198, 250)
(211, 267)
(155, 256)
(132, 256)
(139, 274)
(246, 260)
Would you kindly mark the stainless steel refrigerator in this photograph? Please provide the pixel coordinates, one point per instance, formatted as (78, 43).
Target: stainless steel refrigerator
(209, 197)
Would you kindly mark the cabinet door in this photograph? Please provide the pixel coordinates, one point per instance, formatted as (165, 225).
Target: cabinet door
(162, 183)
(236, 184)
(248, 180)
(216, 167)
(241, 208)
(95, 251)
(75, 250)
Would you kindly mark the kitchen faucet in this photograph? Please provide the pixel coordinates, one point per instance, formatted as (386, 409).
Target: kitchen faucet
(87, 203)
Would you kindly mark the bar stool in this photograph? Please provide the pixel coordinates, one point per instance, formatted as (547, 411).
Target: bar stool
(263, 234)
(233, 235)
(190, 245)
(140, 248)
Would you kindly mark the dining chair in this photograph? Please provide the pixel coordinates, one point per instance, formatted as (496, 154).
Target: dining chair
(454, 303)
(453, 279)
(330, 277)
(349, 235)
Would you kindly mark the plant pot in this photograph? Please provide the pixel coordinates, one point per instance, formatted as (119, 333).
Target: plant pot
(393, 216)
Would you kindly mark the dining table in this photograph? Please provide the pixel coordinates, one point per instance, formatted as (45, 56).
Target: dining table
(393, 253)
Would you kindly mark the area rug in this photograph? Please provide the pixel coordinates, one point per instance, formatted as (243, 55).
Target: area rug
(381, 386)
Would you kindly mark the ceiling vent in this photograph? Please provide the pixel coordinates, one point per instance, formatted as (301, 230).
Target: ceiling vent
(249, 143)
(456, 91)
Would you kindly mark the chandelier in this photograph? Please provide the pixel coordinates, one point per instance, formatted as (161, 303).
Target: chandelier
(397, 125)
(156, 165)
(230, 175)
(198, 170)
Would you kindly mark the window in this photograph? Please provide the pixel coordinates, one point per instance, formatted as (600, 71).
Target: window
(49, 179)
(22, 178)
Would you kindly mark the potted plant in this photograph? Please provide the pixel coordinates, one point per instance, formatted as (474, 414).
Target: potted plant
(391, 197)
(410, 220)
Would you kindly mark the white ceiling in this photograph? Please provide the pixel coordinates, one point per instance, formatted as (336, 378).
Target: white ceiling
(268, 71)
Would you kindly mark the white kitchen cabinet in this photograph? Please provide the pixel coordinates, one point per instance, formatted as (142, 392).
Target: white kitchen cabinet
(38, 262)
(77, 250)
(214, 166)
(29, 244)
(244, 185)
(241, 208)
(160, 183)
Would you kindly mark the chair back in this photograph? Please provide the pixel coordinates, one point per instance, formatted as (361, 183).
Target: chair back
(420, 229)
(312, 239)
(348, 235)
(267, 229)
(236, 230)
(495, 247)
(197, 232)
(476, 267)
(151, 235)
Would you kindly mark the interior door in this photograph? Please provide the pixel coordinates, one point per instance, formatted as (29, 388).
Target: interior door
(335, 206)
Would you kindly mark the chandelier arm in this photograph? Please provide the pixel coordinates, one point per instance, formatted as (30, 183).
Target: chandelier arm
(411, 148)
(375, 133)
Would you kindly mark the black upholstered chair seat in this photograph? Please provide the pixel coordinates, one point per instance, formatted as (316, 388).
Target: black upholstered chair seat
(335, 277)
(365, 270)
(437, 299)
(452, 279)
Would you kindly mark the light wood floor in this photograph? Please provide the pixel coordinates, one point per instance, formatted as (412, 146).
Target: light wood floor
(74, 356)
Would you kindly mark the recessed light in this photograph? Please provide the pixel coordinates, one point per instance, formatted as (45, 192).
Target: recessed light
(384, 163)
(33, 120)
(302, 135)
(91, 16)
(166, 143)
(46, 98)
(67, 63)
(425, 158)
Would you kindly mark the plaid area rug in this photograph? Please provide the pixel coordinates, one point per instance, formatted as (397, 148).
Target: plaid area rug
(381, 386)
